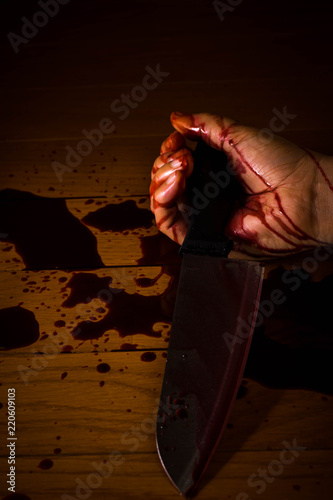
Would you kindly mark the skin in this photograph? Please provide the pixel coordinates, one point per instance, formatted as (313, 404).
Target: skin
(287, 201)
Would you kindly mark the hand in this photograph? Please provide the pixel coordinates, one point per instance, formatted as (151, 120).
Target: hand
(287, 202)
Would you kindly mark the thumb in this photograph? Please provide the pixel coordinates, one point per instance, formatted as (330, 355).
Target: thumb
(212, 129)
(238, 142)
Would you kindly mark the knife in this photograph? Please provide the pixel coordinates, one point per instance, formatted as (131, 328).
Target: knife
(213, 322)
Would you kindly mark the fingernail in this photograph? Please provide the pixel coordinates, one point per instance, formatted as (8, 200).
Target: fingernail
(170, 179)
(176, 163)
(178, 113)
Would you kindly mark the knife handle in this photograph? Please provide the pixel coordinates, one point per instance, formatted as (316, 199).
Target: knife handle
(211, 192)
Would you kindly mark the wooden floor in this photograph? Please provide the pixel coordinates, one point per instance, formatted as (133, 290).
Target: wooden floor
(88, 284)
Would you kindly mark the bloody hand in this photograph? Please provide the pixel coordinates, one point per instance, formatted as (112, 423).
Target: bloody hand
(287, 201)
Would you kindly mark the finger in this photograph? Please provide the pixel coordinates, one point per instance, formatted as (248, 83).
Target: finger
(172, 224)
(167, 193)
(167, 215)
(163, 173)
(183, 163)
(162, 191)
(168, 157)
(173, 142)
(213, 129)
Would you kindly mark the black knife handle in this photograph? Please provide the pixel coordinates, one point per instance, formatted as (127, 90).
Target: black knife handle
(211, 192)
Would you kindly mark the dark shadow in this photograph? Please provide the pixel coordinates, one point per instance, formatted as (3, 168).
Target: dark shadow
(291, 349)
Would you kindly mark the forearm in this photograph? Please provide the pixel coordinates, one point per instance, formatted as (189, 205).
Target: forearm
(324, 196)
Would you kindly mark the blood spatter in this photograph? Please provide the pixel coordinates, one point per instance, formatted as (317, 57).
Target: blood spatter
(144, 282)
(45, 464)
(181, 413)
(148, 356)
(103, 368)
(67, 348)
(102, 383)
(56, 451)
(84, 287)
(146, 310)
(63, 375)
(119, 217)
(59, 323)
(18, 328)
(128, 347)
(45, 233)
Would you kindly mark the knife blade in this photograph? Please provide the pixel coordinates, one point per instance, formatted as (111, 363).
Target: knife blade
(213, 322)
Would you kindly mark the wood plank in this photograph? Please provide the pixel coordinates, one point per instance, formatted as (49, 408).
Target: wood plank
(141, 476)
(63, 81)
(120, 166)
(49, 233)
(61, 109)
(102, 309)
(117, 231)
(118, 55)
(49, 400)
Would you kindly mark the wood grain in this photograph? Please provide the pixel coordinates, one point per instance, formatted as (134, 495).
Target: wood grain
(262, 56)
(70, 472)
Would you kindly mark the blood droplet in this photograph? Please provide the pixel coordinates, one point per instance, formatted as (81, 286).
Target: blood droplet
(103, 368)
(45, 464)
(148, 356)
